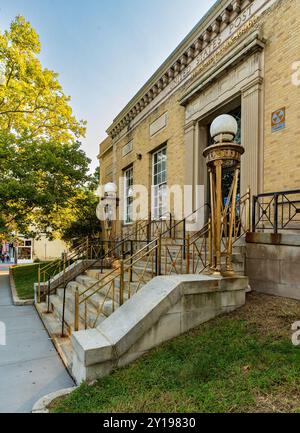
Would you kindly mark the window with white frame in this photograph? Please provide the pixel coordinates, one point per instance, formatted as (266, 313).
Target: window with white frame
(128, 194)
(159, 183)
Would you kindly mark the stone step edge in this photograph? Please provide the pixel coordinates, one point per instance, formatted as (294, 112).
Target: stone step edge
(54, 338)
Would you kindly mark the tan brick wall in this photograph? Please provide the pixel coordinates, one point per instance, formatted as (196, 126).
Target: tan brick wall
(282, 149)
(281, 29)
(172, 135)
(106, 168)
(106, 161)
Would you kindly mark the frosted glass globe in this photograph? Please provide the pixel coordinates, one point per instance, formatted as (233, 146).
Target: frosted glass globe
(224, 124)
(110, 189)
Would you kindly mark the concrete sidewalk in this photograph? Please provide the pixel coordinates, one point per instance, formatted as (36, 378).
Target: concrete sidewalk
(29, 364)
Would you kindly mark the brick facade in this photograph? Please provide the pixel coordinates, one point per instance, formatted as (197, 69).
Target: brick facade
(279, 30)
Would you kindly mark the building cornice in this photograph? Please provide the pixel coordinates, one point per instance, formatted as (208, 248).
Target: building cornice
(251, 44)
(217, 19)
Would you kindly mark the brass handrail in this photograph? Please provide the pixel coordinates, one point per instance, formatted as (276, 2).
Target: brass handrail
(108, 281)
(49, 265)
(125, 261)
(118, 272)
(106, 276)
(49, 272)
(63, 265)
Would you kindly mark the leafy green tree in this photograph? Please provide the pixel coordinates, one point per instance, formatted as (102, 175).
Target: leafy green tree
(39, 185)
(32, 102)
(42, 168)
(86, 223)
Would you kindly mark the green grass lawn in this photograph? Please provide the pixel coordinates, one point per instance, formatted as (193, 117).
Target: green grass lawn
(242, 362)
(25, 276)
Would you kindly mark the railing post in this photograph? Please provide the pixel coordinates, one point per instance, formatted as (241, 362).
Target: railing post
(123, 250)
(63, 313)
(249, 210)
(122, 283)
(64, 268)
(159, 247)
(85, 315)
(254, 201)
(184, 238)
(87, 248)
(158, 256)
(171, 223)
(102, 254)
(149, 234)
(39, 285)
(44, 280)
(48, 300)
(131, 254)
(76, 319)
(210, 243)
(276, 214)
(188, 241)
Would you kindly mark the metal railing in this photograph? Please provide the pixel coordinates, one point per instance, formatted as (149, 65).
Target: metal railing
(153, 259)
(173, 251)
(146, 230)
(61, 272)
(277, 211)
(59, 267)
(86, 250)
(140, 231)
(114, 252)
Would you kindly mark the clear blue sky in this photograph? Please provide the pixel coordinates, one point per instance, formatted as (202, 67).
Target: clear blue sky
(105, 50)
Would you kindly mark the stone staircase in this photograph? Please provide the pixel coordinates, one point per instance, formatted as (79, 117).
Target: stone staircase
(171, 265)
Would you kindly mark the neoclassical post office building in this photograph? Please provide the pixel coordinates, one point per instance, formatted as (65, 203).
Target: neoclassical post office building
(242, 58)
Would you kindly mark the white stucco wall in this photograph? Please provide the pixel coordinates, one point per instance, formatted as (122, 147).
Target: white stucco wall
(44, 249)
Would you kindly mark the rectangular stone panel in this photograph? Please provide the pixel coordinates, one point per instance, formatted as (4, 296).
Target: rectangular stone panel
(159, 124)
(128, 148)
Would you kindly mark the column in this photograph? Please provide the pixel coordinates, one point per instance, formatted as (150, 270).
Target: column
(196, 140)
(189, 156)
(252, 138)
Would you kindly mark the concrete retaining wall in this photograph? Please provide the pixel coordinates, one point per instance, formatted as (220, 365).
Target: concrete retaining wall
(273, 264)
(165, 308)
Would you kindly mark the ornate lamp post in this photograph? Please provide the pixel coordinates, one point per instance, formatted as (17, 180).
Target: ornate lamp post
(223, 154)
(106, 211)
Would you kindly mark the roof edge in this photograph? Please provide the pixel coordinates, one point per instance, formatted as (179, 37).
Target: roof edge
(188, 40)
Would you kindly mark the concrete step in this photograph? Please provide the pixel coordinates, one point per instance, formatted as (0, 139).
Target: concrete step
(96, 300)
(96, 273)
(92, 314)
(86, 281)
(57, 309)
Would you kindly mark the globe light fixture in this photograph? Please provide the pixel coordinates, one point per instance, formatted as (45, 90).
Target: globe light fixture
(224, 154)
(107, 208)
(224, 128)
(110, 189)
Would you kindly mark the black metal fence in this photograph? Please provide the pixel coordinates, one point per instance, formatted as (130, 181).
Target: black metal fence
(277, 211)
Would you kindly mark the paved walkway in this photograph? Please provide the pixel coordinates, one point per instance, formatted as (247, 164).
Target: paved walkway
(29, 365)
